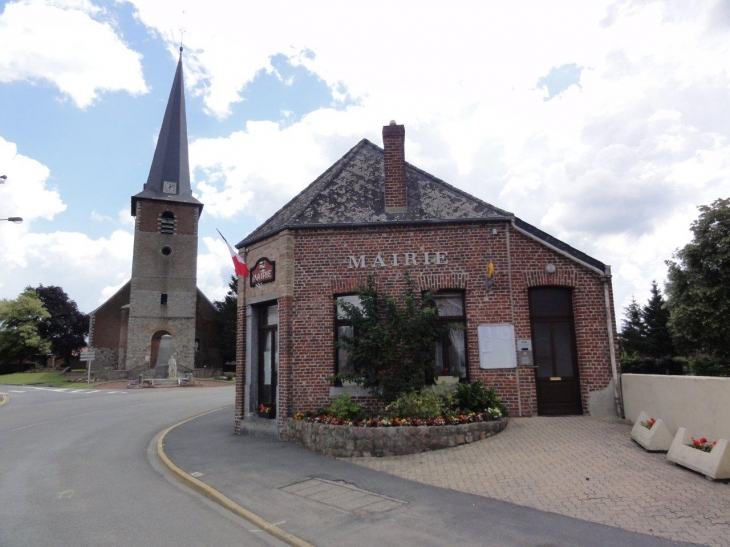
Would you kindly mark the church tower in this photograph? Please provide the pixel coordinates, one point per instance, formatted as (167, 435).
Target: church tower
(163, 293)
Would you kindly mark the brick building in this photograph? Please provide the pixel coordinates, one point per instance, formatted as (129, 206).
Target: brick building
(537, 313)
(161, 299)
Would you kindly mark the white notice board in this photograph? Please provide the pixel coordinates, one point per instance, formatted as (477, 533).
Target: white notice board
(497, 346)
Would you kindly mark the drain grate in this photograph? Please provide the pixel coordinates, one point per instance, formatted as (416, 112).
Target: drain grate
(341, 495)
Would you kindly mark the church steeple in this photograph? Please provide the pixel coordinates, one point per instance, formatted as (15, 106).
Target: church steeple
(169, 178)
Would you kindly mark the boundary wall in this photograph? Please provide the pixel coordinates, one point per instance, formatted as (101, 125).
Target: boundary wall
(699, 403)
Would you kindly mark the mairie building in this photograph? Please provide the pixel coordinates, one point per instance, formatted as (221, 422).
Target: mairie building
(535, 314)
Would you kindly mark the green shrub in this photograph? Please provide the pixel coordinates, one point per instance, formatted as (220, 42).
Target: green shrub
(636, 364)
(474, 397)
(423, 403)
(344, 408)
(707, 365)
(393, 351)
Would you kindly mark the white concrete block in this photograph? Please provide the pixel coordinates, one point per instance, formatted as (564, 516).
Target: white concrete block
(714, 464)
(656, 439)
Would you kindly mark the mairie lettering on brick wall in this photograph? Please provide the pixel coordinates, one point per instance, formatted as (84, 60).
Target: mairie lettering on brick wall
(385, 260)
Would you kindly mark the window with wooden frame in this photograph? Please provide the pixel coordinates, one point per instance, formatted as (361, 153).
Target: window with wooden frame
(451, 347)
(343, 328)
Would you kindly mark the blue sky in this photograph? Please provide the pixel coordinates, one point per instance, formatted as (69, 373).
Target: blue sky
(603, 123)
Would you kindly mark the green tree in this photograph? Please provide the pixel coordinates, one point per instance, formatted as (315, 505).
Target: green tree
(655, 316)
(67, 327)
(19, 336)
(227, 317)
(633, 332)
(698, 287)
(393, 346)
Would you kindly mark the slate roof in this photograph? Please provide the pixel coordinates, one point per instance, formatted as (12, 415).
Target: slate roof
(351, 194)
(170, 162)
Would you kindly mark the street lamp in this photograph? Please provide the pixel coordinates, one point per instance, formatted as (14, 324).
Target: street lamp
(15, 220)
(3, 178)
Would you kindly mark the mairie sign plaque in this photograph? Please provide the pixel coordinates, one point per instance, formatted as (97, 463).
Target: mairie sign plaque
(263, 272)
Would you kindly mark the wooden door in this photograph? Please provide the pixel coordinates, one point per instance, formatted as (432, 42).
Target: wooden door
(553, 346)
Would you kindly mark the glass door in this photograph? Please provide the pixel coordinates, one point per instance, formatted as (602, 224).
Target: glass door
(268, 358)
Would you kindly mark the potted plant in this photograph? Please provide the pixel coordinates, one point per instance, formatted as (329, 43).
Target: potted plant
(267, 411)
(447, 378)
(712, 459)
(651, 434)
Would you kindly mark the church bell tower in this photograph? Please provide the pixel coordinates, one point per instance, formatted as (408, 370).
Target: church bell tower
(163, 292)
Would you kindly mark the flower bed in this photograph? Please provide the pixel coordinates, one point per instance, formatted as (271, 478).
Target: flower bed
(388, 436)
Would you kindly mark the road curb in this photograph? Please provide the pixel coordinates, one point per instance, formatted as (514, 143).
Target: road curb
(4, 399)
(219, 498)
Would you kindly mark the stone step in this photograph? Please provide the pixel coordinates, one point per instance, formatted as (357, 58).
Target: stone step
(162, 382)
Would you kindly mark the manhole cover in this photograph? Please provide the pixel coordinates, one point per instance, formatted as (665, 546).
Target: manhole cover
(343, 496)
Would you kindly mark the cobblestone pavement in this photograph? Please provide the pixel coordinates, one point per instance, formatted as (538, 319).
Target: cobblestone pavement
(582, 467)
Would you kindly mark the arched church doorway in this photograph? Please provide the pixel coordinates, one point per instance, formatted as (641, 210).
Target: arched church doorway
(161, 348)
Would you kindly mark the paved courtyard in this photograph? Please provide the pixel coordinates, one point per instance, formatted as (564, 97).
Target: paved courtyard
(581, 467)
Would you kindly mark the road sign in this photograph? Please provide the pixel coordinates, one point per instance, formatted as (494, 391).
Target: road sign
(88, 356)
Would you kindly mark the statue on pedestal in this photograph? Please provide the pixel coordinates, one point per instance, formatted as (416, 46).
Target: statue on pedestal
(172, 367)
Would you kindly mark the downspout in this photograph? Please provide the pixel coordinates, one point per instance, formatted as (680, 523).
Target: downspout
(512, 307)
(611, 346)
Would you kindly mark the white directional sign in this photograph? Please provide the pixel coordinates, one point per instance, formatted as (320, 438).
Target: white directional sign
(88, 356)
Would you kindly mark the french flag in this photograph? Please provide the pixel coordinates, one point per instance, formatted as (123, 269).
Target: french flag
(238, 262)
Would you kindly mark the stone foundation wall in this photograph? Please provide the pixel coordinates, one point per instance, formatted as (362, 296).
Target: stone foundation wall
(105, 359)
(347, 442)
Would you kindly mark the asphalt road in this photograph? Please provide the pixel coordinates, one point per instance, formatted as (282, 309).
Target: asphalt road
(78, 469)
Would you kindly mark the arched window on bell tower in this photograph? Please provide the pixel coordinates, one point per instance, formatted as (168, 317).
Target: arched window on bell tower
(167, 223)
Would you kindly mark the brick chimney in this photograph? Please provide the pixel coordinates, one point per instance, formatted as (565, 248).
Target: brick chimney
(396, 200)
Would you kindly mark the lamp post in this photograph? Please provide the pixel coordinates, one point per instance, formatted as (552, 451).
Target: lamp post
(14, 220)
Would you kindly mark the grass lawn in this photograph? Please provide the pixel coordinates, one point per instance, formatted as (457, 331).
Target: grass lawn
(52, 379)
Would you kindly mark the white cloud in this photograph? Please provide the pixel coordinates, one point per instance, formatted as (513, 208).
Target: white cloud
(214, 269)
(26, 192)
(71, 44)
(96, 217)
(72, 260)
(81, 265)
(615, 166)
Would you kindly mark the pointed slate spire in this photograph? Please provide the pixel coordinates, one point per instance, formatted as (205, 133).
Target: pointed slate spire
(169, 177)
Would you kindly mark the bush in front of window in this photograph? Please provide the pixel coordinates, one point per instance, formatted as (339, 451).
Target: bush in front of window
(424, 403)
(474, 397)
(393, 349)
(344, 408)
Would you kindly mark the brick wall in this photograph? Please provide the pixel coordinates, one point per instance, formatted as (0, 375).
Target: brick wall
(320, 267)
(107, 327)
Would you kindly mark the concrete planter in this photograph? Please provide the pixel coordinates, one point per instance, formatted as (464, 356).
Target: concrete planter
(713, 465)
(656, 439)
(346, 442)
